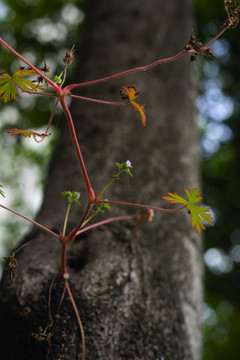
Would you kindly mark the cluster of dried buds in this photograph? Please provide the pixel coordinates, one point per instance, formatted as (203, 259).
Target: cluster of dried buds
(39, 79)
(69, 56)
(41, 336)
(144, 217)
(11, 267)
(233, 11)
(196, 45)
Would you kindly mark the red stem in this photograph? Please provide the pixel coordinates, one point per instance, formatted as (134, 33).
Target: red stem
(64, 259)
(77, 316)
(139, 205)
(143, 68)
(98, 101)
(71, 236)
(50, 82)
(107, 221)
(215, 38)
(49, 122)
(75, 141)
(32, 221)
(127, 72)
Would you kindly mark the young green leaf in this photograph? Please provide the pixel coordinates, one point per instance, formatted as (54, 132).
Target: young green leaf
(124, 167)
(101, 207)
(8, 84)
(199, 214)
(72, 196)
(58, 78)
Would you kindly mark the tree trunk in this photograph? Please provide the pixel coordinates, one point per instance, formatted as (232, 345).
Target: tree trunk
(138, 290)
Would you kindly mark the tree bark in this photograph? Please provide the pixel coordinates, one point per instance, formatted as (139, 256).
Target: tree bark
(138, 290)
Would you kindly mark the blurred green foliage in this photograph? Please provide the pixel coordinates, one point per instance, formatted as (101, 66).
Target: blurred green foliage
(41, 31)
(219, 105)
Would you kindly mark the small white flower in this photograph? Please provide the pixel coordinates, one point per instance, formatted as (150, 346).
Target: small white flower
(128, 163)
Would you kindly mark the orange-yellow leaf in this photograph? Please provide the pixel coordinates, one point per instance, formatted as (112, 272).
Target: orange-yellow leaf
(141, 110)
(130, 94)
(25, 133)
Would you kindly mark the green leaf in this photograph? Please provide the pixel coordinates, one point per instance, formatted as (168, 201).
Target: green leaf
(124, 167)
(72, 196)
(1, 192)
(8, 84)
(199, 214)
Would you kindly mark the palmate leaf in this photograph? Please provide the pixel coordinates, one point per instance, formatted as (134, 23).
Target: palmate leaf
(8, 84)
(199, 214)
(7, 88)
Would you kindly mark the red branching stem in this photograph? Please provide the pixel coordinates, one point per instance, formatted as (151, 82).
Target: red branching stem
(71, 236)
(98, 101)
(144, 68)
(49, 81)
(107, 221)
(49, 122)
(215, 38)
(127, 72)
(76, 144)
(140, 205)
(77, 316)
(32, 221)
(64, 259)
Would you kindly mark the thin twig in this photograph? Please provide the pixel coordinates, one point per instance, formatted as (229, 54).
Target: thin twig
(77, 316)
(32, 221)
(49, 305)
(107, 221)
(22, 246)
(49, 81)
(76, 144)
(49, 122)
(98, 101)
(127, 72)
(140, 205)
(62, 297)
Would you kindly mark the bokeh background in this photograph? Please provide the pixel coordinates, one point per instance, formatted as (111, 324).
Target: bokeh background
(42, 31)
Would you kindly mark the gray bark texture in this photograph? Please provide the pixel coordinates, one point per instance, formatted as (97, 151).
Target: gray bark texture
(138, 290)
